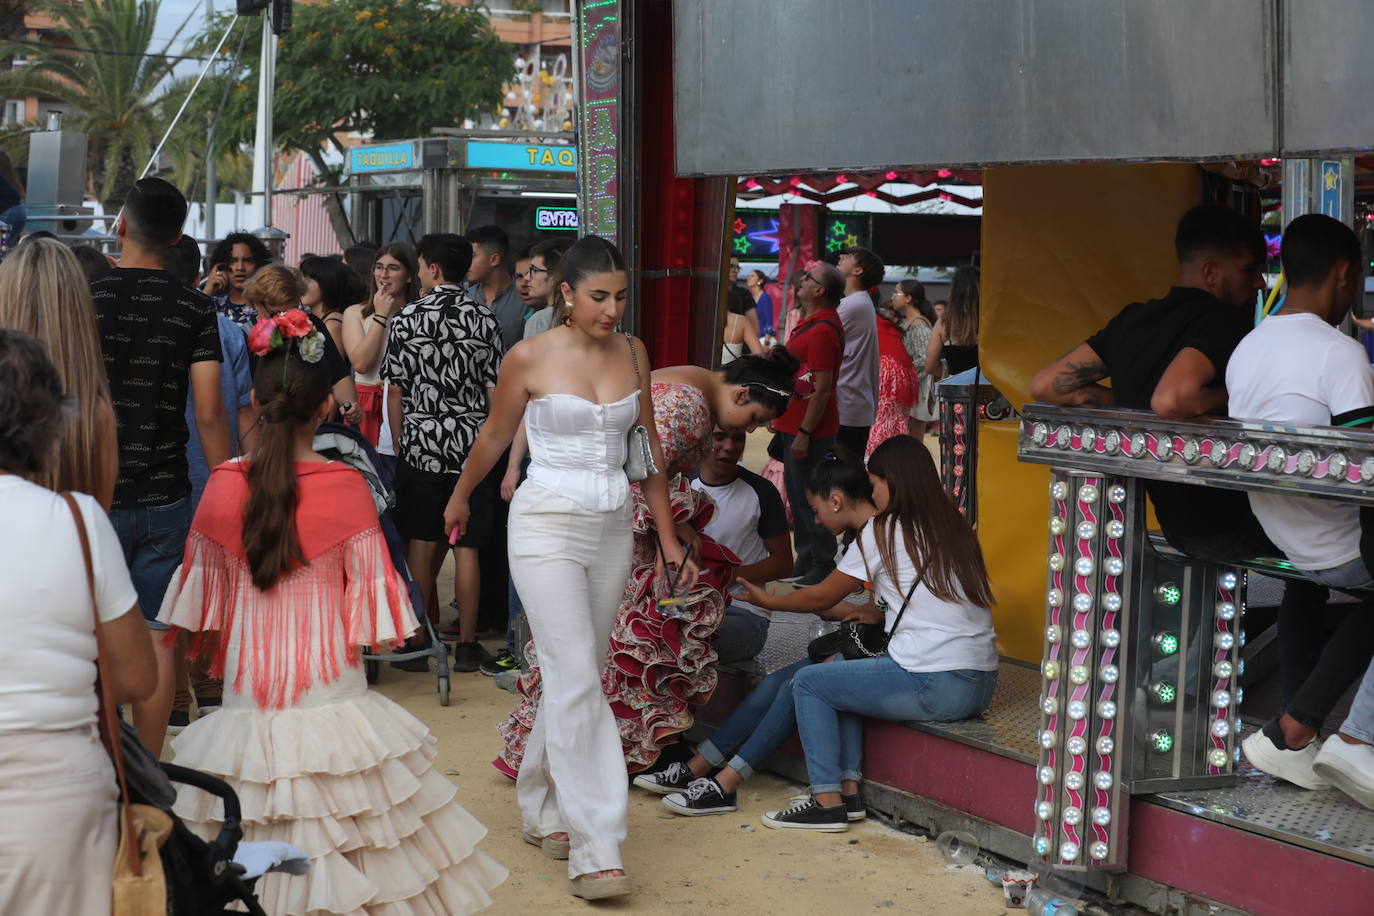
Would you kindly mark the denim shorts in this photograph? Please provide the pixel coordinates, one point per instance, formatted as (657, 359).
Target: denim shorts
(153, 538)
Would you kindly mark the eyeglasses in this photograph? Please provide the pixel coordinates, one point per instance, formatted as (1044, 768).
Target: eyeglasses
(532, 270)
(813, 280)
(388, 268)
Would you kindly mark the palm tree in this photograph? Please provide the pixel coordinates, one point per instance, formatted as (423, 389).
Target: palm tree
(107, 71)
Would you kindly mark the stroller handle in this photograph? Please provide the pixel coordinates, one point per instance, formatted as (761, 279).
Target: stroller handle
(207, 783)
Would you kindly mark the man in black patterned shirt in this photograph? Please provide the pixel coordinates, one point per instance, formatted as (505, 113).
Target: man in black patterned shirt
(442, 357)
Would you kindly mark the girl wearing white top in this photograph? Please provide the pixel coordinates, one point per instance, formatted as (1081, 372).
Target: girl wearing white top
(941, 662)
(570, 555)
(365, 332)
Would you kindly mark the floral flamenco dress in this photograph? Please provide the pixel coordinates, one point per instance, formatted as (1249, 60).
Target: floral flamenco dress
(317, 759)
(659, 668)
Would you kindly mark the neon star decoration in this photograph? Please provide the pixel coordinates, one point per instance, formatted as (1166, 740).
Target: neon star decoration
(768, 236)
(739, 226)
(742, 245)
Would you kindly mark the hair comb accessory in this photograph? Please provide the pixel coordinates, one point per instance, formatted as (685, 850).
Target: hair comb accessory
(769, 388)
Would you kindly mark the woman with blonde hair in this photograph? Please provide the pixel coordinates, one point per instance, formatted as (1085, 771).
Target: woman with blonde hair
(43, 292)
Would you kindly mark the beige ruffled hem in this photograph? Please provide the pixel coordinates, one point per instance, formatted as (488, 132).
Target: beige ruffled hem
(352, 784)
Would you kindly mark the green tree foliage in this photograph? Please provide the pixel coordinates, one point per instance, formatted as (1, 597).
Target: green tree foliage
(116, 85)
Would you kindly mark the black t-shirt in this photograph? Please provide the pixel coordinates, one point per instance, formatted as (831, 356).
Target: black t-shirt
(1139, 343)
(738, 301)
(152, 328)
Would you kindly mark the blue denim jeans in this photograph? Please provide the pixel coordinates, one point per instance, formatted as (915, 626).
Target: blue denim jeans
(758, 726)
(740, 636)
(153, 538)
(833, 698)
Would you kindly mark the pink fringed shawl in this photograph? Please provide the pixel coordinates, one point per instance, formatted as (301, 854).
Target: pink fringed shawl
(304, 630)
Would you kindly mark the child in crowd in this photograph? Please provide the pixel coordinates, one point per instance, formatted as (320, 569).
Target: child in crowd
(751, 522)
(287, 562)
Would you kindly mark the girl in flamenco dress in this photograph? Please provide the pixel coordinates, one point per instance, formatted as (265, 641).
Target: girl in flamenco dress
(661, 667)
(286, 560)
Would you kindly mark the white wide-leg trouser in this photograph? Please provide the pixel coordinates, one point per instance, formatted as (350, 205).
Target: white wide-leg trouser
(570, 566)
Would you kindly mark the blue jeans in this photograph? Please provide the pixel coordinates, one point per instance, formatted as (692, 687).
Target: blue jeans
(741, 635)
(833, 698)
(758, 726)
(153, 538)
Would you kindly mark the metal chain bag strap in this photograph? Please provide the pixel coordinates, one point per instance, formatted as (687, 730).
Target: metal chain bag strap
(639, 457)
(861, 640)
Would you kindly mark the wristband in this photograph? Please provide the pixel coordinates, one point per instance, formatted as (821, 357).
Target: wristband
(380, 319)
(804, 432)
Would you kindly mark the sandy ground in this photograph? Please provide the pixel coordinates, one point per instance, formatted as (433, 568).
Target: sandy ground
(728, 863)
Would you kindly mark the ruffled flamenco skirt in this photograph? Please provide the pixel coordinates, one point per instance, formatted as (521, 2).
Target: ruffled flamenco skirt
(347, 776)
(659, 668)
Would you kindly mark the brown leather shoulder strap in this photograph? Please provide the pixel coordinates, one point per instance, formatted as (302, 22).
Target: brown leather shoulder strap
(109, 717)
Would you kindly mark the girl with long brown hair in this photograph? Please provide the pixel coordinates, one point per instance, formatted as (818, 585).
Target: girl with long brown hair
(918, 320)
(394, 282)
(932, 597)
(44, 292)
(955, 337)
(287, 561)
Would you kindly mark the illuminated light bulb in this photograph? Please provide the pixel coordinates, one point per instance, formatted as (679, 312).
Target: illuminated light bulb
(1056, 562)
(1228, 581)
(1045, 775)
(1112, 602)
(1068, 851)
(1277, 458)
(1220, 450)
(1078, 674)
(1073, 781)
(1307, 460)
(1223, 668)
(1221, 728)
(1105, 745)
(1055, 597)
(1168, 594)
(1246, 455)
(1192, 450)
(1103, 780)
(1161, 742)
(1087, 493)
(1087, 438)
(1113, 566)
(1221, 699)
(1043, 810)
(1240, 695)
(1226, 610)
(1080, 639)
(1098, 850)
(1165, 642)
(1062, 436)
(1336, 466)
(1073, 816)
(1082, 602)
(1218, 758)
(1050, 668)
(1242, 637)
(1085, 531)
(1058, 489)
(1047, 739)
(1116, 529)
(1137, 445)
(1116, 495)
(1163, 692)
(1112, 442)
(1084, 566)
(1106, 709)
(1052, 632)
(1077, 709)
(1226, 641)
(1240, 668)
(1102, 816)
(1057, 525)
(1049, 706)
(1109, 674)
(1236, 756)
(1076, 746)
(1042, 846)
(1163, 449)
(1111, 638)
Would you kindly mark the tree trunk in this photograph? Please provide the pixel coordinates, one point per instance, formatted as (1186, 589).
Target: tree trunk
(333, 204)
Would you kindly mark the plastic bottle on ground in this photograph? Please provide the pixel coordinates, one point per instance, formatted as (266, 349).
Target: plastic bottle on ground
(1041, 902)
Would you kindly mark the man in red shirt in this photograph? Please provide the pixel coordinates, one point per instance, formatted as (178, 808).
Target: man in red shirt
(809, 426)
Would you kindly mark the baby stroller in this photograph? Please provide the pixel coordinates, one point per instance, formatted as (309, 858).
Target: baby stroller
(347, 444)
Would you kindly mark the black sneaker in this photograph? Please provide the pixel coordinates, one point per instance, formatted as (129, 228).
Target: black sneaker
(499, 664)
(673, 778)
(469, 656)
(420, 663)
(207, 705)
(808, 815)
(853, 805)
(815, 576)
(178, 720)
(703, 796)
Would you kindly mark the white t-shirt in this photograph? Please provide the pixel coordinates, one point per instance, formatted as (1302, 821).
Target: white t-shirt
(47, 682)
(749, 511)
(856, 384)
(934, 635)
(1297, 370)
(539, 322)
(385, 445)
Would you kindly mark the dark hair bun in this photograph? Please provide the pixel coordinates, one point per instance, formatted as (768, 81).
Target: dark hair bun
(781, 354)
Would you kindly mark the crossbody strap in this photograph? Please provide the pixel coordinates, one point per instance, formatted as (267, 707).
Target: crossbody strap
(920, 574)
(634, 360)
(109, 717)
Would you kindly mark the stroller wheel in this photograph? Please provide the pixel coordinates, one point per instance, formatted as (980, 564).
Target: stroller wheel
(371, 669)
(443, 690)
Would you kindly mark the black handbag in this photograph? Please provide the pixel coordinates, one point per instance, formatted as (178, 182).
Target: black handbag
(860, 640)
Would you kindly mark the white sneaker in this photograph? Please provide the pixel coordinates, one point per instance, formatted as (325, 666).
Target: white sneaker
(1348, 767)
(1291, 766)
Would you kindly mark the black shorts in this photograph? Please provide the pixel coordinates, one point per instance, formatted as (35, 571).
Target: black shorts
(420, 500)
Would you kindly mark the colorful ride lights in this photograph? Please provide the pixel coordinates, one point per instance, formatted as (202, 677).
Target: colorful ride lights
(1161, 742)
(1116, 495)
(1163, 693)
(1098, 850)
(1109, 674)
(1058, 490)
(1055, 597)
(1042, 846)
(1218, 757)
(1076, 746)
(1043, 810)
(1165, 642)
(1105, 745)
(1049, 705)
(1106, 709)
(1102, 817)
(1080, 639)
(1087, 493)
(1085, 531)
(1077, 710)
(1224, 668)
(1226, 610)
(1056, 562)
(1078, 674)
(1113, 566)
(1228, 581)
(1225, 641)
(1073, 781)
(1068, 850)
(1103, 780)
(1168, 594)
(1221, 699)
(1082, 602)
(1047, 739)
(1221, 728)
(1057, 525)
(1111, 602)
(1116, 529)
(1050, 668)
(1073, 816)
(1053, 634)
(1111, 638)
(1084, 566)
(1045, 774)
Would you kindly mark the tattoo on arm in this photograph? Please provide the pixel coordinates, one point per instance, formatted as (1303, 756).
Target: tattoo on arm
(1075, 375)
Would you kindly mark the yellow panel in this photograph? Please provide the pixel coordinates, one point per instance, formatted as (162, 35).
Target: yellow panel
(1066, 247)
(1013, 514)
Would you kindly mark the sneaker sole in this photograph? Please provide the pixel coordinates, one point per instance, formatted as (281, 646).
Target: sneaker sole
(819, 828)
(1263, 756)
(687, 811)
(1338, 778)
(856, 815)
(498, 672)
(647, 783)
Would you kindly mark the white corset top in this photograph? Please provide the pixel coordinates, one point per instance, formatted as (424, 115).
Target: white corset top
(577, 447)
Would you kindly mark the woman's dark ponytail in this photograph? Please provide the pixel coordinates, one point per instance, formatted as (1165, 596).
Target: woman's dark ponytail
(290, 392)
(840, 471)
(770, 378)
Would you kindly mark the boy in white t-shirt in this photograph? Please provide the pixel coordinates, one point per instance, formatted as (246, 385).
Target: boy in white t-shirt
(751, 521)
(1297, 369)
